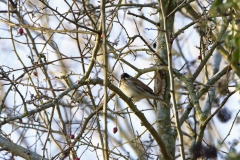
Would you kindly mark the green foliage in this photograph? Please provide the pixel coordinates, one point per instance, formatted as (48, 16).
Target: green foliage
(236, 53)
(231, 10)
(233, 155)
(219, 8)
(233, 43)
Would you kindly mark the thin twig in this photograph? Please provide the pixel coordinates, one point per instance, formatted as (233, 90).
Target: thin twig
(105, 67)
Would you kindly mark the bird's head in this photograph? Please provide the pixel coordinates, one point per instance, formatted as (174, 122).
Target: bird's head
(125, 75)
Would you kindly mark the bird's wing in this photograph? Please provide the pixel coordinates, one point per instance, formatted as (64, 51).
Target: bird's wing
(140, 85)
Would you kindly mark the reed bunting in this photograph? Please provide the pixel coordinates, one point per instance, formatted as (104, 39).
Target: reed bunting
(136, 89)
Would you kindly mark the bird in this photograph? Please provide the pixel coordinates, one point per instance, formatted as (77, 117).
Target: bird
(136, 89)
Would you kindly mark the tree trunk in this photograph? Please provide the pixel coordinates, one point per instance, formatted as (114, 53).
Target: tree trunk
(162, 85)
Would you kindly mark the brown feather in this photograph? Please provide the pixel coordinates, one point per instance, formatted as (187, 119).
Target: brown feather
(137, 82)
